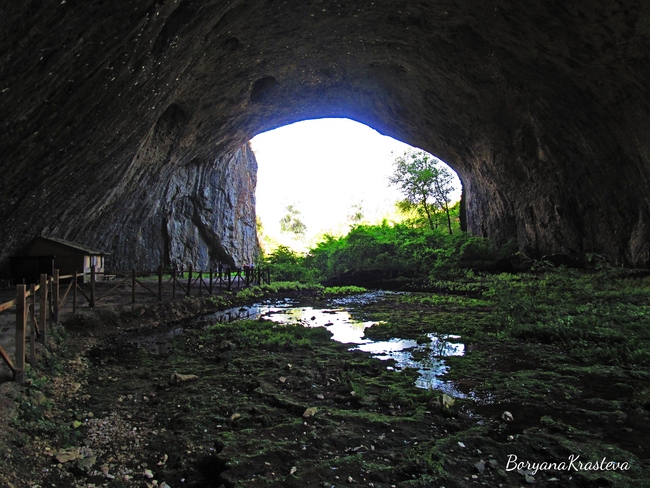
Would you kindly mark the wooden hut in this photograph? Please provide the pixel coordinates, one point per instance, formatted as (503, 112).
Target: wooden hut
(46, 253)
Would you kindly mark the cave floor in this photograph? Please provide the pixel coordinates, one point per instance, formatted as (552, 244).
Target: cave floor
(251, 403)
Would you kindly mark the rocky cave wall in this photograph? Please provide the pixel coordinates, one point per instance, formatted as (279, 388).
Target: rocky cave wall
(119, 117)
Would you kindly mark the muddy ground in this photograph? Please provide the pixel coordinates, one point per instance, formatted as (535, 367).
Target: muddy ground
(253, 403)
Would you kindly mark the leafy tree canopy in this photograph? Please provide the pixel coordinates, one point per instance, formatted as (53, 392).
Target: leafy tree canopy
(425, 182)
(291, 223)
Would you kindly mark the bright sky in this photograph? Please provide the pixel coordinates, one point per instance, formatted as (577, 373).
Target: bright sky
(323, 167)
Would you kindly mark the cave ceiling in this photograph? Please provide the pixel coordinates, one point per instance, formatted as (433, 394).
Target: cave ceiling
(541, 107)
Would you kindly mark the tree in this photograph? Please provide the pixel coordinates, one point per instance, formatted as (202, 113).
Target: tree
(425, 182)
(291, 223)
(356, 213)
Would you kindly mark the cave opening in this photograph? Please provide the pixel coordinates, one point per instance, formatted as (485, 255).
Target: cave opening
(327, 174)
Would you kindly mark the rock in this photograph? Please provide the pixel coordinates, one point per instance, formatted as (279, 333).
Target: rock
(310, 412)
(529, 479)
(493, 464)
(480, 466)
(67, 456)
(147, 474)
(507, 416)
(443, 402)
(182, 378)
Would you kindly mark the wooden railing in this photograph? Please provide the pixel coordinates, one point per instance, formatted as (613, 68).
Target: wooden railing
(25, 312)
(167, 284)
(160, 284)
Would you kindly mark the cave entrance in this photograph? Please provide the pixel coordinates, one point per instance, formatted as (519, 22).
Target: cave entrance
(321, 176)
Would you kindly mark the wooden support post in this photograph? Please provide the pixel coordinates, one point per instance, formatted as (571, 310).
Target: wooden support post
(43, 310)
(173, 284)
(56, 296)
(93, 278)
(21, 318)
(160, 280)
(32, 331)
(229, 279)
(210, 282)
(189, 280)
(133, 286)
(200, 282)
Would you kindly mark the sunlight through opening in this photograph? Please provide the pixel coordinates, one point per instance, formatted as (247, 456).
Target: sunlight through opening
(329, 174)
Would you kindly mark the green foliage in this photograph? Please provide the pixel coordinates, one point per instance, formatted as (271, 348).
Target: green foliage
(399, 248)
(291, 223)
(266, 335)
(403, 249)
(425, 182)
(343, 290)
(477, 252)
(287, 265)
(595, 322)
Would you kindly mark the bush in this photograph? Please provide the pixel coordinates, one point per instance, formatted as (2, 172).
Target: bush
(287, 265)
(395, 250)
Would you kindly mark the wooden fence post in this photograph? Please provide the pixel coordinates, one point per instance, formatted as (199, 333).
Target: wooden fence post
(200, 282)
(21, 318)
(210, 285)
(43, 311)
(160, 280)
(133, 286)
(92, 286)
(32, 331)
(189, 281)
(56, 298)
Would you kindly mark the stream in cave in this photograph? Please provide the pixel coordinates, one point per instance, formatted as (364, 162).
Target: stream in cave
(426, 357)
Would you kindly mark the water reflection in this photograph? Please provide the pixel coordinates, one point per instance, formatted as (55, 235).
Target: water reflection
(426, 357)
(429, 362)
